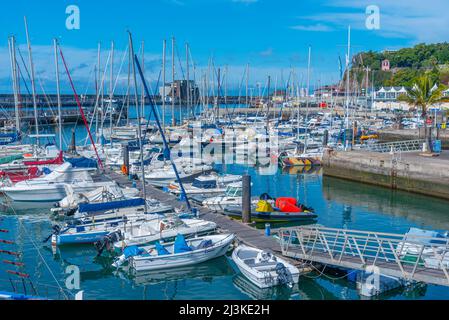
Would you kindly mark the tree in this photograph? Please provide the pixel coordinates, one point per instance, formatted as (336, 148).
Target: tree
(424, 94)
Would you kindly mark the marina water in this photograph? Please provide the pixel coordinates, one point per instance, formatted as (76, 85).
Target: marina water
(338, 203)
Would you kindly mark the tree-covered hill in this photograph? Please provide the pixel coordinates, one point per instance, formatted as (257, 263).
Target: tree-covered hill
(405, 65)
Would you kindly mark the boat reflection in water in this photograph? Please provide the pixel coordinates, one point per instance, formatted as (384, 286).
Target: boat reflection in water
(302, 170)
(254, 292)
(205, 272)
(422, 210)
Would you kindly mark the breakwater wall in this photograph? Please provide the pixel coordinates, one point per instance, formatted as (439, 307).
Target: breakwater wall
(409, 172)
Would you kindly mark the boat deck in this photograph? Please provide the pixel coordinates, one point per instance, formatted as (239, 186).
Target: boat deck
(245, 233)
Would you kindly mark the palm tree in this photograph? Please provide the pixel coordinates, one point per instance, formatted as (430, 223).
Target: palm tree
(423, 95)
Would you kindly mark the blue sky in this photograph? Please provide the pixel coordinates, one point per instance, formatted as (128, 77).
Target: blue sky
(271, 35)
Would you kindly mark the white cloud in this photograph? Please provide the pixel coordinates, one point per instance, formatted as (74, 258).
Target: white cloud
(420, 21)
(267, 53)
(245, 1)
(319, 27)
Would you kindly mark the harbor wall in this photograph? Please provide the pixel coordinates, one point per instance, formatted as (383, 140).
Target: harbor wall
(408, 172)
(390, 135)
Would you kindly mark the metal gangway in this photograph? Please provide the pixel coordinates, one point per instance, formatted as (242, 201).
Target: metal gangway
(410, 257)
(396, 146)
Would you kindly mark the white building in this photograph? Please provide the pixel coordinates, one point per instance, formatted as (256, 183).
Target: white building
(389, 93)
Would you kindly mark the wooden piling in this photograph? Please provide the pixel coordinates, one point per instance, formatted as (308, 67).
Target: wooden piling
(246, 199)
(126, 157)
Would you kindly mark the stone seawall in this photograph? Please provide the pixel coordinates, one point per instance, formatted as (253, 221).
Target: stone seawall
(410, 172)
(391, 135)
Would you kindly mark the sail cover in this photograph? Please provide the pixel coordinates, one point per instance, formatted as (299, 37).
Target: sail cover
(103, 206)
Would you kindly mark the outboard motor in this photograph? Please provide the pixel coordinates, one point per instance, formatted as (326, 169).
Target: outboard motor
(108, 241)
(284, 275)
(56, 230)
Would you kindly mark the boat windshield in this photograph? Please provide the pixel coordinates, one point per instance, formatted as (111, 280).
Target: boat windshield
(233, 191)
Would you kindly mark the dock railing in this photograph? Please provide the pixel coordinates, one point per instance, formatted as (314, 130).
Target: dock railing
(409, 257)
(396, 146)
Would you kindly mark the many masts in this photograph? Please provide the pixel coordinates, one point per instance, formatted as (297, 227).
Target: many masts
(55, 44)
(15, 77)
(33, 85)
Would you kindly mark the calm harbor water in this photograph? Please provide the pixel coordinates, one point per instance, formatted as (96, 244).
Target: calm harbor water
(339, 204)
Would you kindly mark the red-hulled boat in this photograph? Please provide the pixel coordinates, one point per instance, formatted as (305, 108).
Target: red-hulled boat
(58, 160)
(16, 176)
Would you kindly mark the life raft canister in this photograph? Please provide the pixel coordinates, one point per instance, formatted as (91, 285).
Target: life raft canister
(285, 206)
(285, 199)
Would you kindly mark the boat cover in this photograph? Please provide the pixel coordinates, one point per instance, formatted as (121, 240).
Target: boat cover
(205, 184)
(161, 249)
(82, 162)
(11, 158)
(132, 251)
(57, 160)
(181, 245)
(103, 206)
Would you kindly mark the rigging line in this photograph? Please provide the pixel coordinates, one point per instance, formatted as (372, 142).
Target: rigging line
(47, 100)
(155, 109)
(37, 249)
(98, 98)
(116, 81)
(80, 108)
(179, 60)
(23, 79)
(24, 64)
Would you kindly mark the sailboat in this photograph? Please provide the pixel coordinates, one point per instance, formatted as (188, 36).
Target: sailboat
(306, 158)
(51, 187)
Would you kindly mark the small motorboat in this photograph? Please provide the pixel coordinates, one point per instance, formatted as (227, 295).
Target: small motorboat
(283, 209)
(263, 268)
(178, 254)
(163, 229)
(275, 216)
(232, 196)
(425, 242)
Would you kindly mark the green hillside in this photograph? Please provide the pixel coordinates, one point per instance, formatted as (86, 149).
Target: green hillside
(405, 65)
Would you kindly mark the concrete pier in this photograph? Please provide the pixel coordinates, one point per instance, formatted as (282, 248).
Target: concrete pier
(390, 135)
(409, 171)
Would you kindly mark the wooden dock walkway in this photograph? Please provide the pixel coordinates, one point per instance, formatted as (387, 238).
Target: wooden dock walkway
(245, 233)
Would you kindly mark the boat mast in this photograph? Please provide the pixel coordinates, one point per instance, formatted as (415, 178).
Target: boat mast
(97, 129)
(164, 45)
(55, 44)
(188, 77)
(12, 52)
(307, 99)
(33, 85)
(139, 129)
(173, 119)
(347, 87)
(218, 95)
(268, 104)
(247, 87)
(142, 99)
(111, 92)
